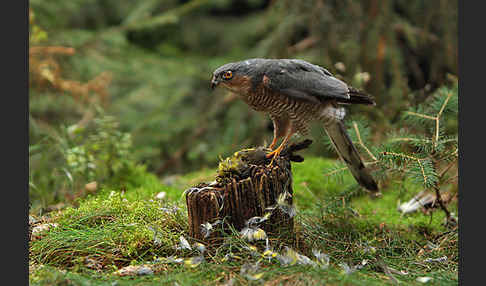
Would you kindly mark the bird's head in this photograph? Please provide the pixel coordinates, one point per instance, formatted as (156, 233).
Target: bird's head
(235, 76)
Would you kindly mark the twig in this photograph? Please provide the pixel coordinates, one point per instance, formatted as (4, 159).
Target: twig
(421, 115)
(408, 139)
(361, 141)
(441, 203)
(444, 105)
(345, 168)
(410, 158)
(335, 171)
(442, 173)
(437, 118)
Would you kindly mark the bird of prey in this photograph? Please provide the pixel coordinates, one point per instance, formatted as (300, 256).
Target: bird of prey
(294, 93)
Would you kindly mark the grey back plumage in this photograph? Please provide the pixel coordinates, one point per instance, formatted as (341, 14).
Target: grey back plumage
(294, 78)
(295, 93)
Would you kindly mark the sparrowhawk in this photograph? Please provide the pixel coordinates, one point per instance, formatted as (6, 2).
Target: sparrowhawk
(294, 93)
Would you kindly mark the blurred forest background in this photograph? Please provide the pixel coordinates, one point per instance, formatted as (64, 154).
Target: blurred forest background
(115, 83)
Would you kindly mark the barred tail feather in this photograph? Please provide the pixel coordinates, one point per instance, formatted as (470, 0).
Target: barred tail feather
(347, 151)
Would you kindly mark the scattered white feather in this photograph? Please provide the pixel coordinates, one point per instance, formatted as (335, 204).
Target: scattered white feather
(424, 279)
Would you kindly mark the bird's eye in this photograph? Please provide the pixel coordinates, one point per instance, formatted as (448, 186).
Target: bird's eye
(228, 75)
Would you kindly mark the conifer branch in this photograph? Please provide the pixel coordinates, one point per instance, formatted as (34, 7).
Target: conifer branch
(361, 141)
(335, 171)
(434, 154)
(436, 131)
(418, 160)
(437, 118)
(408, 139)
(421, 115)
(444, 105)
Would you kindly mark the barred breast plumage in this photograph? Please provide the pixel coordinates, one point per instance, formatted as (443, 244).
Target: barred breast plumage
(300, 112)
(294, 93)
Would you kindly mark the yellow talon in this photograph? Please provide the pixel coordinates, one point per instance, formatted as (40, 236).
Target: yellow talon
(274, 154)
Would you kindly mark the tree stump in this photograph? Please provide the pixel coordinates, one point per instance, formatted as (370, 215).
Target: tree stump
(247, 186)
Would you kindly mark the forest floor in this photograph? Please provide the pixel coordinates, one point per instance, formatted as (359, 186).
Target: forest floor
(367, 241)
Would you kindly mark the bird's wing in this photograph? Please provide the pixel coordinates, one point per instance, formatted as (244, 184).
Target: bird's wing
(302, 80)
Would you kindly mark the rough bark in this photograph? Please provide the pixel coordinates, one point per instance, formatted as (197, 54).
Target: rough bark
(247, 185)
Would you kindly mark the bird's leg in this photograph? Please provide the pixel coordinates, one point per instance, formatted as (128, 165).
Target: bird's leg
(275, 153)
(274, 142)
(280, 128)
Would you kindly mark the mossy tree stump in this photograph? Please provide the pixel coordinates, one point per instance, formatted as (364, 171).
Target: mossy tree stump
(246, 186)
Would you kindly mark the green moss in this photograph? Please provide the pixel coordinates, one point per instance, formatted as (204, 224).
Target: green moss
(311, 187)
(112, 227)
(384, 209)
(140, 184)
(232, 164)
(114, 230)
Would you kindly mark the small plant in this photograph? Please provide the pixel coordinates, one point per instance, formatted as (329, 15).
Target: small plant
(63, 159)
(76, 155)
(424, 149)
(99, 151)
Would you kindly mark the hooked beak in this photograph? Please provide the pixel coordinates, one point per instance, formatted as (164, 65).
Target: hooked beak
(214, 82)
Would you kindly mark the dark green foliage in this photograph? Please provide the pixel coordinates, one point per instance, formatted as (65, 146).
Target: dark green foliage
(423, 149)
(400, 48)
(157, 116)
(100, 154)
(161, 68)
(75, 155)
